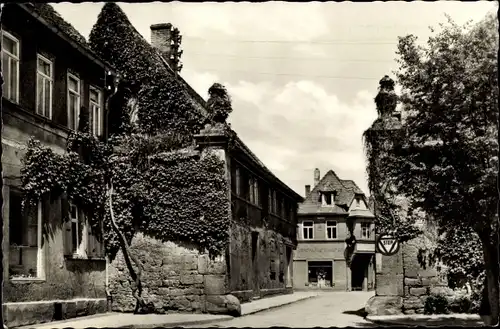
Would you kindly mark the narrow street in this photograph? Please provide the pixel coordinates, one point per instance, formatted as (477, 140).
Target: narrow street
(329, 309)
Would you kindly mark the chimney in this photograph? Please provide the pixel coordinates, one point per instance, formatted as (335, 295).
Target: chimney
(308, 189)
(166, 39)
(316, 176)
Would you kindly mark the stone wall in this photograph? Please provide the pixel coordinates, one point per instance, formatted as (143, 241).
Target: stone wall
(403, 283)
(176, 277)
(262, 275)
(420, 281)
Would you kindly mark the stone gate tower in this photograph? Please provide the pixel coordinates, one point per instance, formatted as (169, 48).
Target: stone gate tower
(401, 283)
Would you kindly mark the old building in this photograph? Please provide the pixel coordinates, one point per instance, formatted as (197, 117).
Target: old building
(333, 211)
(51, 258)
(264, 214)
(262, 239)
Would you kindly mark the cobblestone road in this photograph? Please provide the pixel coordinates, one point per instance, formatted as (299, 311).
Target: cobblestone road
(337, 309)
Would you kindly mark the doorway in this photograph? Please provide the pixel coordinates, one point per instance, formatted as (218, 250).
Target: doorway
(320, 273)
(359, 272)
(255, 264)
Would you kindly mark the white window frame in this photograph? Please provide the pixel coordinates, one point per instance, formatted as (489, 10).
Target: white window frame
(96, 129)
(331, 227)
(368, 233)
(327, 196)
(45, 77)
(16, 59)
(40, 270)
(76, 93)
(309, 228)
(80, 248)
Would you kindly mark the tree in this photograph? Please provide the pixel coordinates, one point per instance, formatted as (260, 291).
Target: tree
(448, 160)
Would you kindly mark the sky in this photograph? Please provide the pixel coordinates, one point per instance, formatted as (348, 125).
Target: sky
(302, 76)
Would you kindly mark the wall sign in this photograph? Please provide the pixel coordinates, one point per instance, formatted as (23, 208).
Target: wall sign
(387, 245)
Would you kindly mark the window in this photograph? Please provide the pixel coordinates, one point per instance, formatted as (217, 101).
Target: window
(73, 101)
(78, 232)
(238, 182)
(365, 230)
(10, 66)
(251, 192)
(331, 229)
(307, 230)
(256, 192)
(96, 111)
(328, 199)
(44, 81)
(270, 200)
(358, 204)
(80, 240)
(275, 205)
(25, 239)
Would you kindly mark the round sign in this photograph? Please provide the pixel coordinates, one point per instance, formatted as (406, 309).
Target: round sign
(387, 245)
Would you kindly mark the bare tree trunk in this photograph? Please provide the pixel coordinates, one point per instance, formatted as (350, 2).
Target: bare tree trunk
(141, 306)
(491, 266)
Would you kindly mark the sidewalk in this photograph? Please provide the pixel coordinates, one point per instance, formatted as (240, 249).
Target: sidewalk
(128, 320)
(455, 320)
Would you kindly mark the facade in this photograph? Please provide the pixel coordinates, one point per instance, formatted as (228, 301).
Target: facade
(262, 237)
(333, 213)
(50, 255)
(264, 215)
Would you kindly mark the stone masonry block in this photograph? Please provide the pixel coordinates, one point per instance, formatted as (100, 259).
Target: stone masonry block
(384, 305)
(413, 303)
(170, 283)
(20, 314)
(412, 282)
(431, 281)
(389, 285)
(203, 262)
(190, 262)
(418, 291)
(215, 284)
(217, 268)
(191, 279)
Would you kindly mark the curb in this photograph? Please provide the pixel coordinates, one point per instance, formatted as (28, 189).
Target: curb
(279, 305)
(412, 320)
(181, 324)
(222, 318)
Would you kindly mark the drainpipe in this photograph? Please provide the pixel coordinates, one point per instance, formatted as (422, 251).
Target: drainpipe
(109, 298)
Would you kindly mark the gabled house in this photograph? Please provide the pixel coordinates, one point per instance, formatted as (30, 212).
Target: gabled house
(334, 211)
(54, 266)
(263, 220)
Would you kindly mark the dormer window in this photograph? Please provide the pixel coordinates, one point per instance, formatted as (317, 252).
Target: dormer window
(328, 198)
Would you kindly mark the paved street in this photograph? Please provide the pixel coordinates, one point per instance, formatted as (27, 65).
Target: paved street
(328, 309)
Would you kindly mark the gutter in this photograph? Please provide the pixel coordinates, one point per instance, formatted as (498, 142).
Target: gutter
(109, 297)
(76, 45)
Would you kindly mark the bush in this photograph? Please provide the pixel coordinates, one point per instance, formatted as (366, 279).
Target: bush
(461, 305)
(436, 305)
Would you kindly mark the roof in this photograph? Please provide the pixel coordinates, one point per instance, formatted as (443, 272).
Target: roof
(346, 190)
(47, 15)
(51, 16)
(254, 158)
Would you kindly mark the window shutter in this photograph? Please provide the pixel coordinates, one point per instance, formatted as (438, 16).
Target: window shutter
(91, 243)
(66, 226)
